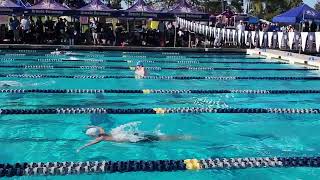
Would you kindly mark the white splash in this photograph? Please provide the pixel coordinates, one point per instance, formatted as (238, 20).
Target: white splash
(73, 58)
(127, 132)
(157, 130)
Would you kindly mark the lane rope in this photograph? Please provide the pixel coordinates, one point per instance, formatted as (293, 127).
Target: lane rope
(155, 68)
(144, 61)
(189, 110)
(224, 78)
(157, 91)
(90, 167)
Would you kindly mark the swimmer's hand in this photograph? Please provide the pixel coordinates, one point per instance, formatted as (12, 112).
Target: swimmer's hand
(187, 137)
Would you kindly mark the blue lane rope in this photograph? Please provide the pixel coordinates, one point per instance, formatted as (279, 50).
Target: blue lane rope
(155, 68)
(222, 78)
(191, 110)
(90, 167)
(157, 91)
(144, 61)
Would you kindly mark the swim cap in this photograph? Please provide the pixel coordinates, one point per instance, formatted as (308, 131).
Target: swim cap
(92, 132)
(139, 63)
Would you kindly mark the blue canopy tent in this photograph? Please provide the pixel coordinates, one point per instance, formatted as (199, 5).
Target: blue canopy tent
(298, 15)
(7, 7)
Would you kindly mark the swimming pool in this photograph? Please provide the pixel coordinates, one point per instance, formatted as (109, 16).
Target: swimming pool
(51, 138)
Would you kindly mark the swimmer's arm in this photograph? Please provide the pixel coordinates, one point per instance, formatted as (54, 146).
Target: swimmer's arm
(96, 141)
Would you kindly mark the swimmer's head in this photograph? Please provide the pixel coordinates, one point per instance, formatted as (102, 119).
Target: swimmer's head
(6, 85)
(92, 132)
(139, 64)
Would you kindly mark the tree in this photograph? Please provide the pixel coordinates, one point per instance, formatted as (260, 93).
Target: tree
(317, 6)
(267, 9)
(257, 7)
(294, 3)
(237, 5)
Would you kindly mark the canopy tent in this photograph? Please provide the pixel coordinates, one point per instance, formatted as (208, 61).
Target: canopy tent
(141, 6)
(141, 9)
(298, 15)
(96, 7)
(23, 4)
(48, 7)
(8, 7)
(185, 10)
(227, 14)
(247, 18)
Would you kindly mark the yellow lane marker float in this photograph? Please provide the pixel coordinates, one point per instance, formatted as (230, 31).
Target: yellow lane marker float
(192, 164)
(146, 91)
(159, 110)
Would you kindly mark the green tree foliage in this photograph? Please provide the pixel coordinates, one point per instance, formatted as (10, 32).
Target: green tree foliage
(267, 9)
(317, 6)
(237, 5)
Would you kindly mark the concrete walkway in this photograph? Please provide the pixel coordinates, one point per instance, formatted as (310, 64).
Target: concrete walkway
(292, 58)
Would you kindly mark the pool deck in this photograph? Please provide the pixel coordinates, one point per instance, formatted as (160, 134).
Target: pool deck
(118, 48)
(292, 58)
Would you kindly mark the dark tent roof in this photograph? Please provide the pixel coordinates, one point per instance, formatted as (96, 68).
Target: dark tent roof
(141, 6)
(8, 4)
(297, 15)
(227, 14)
(95, 5)
(23, 4)
(182, 7)
(49, 5)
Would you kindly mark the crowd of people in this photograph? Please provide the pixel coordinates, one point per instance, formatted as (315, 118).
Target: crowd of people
(40, 30)
(30, 30)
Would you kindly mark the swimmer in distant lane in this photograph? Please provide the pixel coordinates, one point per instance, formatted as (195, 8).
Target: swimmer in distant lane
(6, 84)
(57, 52)
(99, 135)
(140, 71)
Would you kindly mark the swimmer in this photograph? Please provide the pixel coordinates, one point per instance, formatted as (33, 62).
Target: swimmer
(7, 84)
(99, 135)
(140, 71)
(57, 52)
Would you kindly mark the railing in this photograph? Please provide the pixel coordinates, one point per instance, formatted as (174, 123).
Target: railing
(293, 40)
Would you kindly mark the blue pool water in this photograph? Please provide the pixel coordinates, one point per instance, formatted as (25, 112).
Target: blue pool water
(44, 138)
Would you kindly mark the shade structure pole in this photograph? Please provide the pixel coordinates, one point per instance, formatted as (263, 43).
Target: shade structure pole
(222, 6)
(128, 26)
(189, 44)
(175, 36)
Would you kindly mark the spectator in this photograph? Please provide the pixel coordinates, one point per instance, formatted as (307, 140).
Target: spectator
(71, 33)
(15, 24)
(39, 30)
(10, 30)
(94, 31)
(25, 29)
